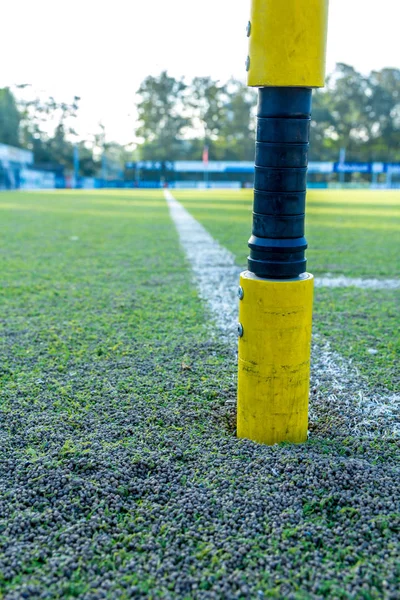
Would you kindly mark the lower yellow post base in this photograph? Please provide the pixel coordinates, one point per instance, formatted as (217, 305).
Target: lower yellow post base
(274, 358)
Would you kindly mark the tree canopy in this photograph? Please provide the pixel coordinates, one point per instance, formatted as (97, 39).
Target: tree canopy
(360, 113)
(10, 118)
(177, 118)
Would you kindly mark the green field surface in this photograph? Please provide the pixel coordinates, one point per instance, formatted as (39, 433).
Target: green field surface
(351, 233)
(120, 473)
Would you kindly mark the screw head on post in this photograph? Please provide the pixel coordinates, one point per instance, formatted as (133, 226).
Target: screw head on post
(240, 292)
(248, 29)
(240, 330)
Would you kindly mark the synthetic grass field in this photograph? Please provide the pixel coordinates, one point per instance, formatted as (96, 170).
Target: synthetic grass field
(352, 233)
(121, 476)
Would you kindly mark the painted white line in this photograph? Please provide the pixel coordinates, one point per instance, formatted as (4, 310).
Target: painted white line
(346, 396)
(216, 274)
(364, 284)
(339, 395)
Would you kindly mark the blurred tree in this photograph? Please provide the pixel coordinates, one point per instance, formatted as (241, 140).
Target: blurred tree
(9, 118)
(359, 113)
(109, 157)
(178, 120)
(207, 100)
(347, 97)
(384, 115)
(162, 118)
(323, 134)
(46, 128)
(88, 165)
(354, 111)
(237, 132)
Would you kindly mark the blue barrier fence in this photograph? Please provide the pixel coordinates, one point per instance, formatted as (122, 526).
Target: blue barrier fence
(192, 174)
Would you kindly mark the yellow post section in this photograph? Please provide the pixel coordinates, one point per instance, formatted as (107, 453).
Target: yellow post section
(274, 358)
(287, 43)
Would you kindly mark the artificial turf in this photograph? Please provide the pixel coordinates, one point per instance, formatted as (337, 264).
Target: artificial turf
(120, 475)
(349, 232)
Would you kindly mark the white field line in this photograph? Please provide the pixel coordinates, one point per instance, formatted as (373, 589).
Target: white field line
(364, 284)
(215, 272)
(343, 393)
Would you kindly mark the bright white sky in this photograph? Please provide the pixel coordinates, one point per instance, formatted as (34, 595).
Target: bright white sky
(101, 50)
